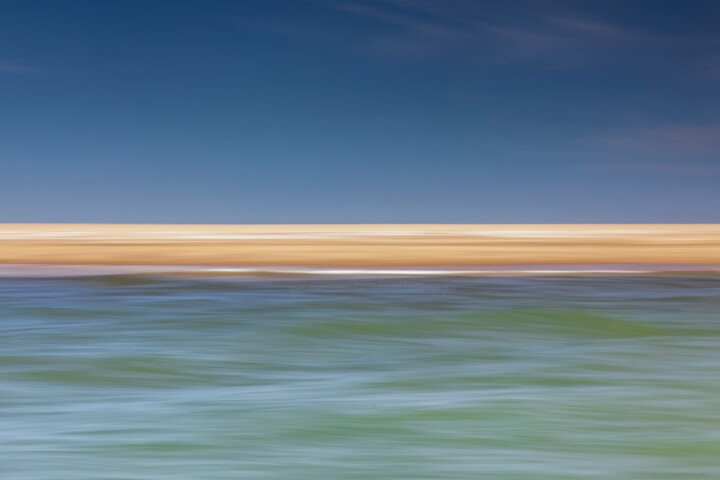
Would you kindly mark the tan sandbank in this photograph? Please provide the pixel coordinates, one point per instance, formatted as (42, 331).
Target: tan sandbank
(358, 245)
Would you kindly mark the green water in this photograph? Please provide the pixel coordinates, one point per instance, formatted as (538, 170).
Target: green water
(576, 377)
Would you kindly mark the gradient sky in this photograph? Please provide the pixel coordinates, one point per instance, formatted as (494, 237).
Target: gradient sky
(352, 111)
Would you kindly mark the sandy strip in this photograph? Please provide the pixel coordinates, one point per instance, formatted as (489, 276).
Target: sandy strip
(358, 245)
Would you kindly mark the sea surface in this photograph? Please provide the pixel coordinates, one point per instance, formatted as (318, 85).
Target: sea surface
(240, 374)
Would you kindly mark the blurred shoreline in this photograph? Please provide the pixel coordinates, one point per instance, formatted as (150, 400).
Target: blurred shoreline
(359, 245)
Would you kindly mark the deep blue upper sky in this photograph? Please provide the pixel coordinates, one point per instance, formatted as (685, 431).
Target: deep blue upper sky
(360, 111)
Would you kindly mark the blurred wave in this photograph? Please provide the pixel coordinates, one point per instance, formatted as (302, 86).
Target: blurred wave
(184, 376)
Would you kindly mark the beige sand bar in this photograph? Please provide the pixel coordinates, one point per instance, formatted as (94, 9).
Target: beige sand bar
(358, 245)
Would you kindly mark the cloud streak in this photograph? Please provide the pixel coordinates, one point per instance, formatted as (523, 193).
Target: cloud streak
(13, 67)
(667, 140)
(549, 32)
(668, 168)
(679, 149)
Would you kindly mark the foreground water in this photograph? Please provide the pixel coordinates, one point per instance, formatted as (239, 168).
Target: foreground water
(142, 377)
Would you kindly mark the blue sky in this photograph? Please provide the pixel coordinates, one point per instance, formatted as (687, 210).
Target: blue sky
(350, 111)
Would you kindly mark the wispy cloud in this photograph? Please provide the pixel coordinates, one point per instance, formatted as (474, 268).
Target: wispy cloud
(708, 70)
(402, 20)
(18, 68)
(682, 149)
(659, 168)
(666, 140)
(550, 31)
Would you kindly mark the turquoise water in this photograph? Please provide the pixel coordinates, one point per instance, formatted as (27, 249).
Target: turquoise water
(141, 377)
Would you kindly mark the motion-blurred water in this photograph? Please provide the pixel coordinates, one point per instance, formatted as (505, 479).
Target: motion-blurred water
(137, 377)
